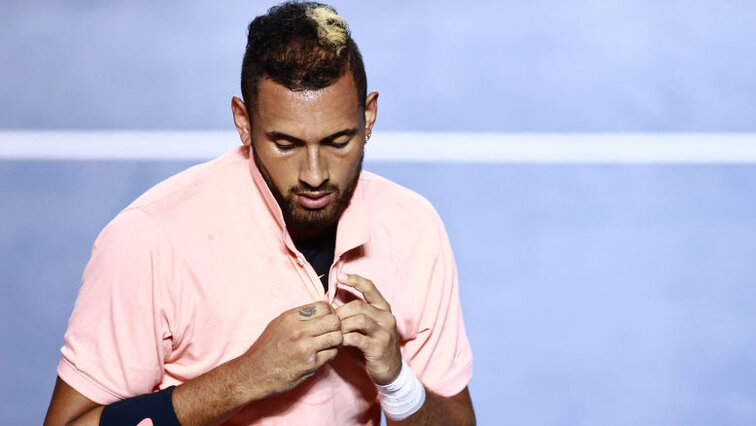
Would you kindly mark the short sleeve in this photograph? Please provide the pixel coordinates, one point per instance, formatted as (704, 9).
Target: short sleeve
(118, 335)
(439, 353)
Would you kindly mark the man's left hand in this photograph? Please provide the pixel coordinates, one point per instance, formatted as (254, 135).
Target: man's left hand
(371, 327)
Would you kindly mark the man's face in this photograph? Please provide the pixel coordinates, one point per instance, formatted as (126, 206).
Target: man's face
(308, 146)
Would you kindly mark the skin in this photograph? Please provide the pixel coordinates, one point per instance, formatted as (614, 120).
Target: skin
(307, 142)
(371, 327)
(292, 347)
(301, 140)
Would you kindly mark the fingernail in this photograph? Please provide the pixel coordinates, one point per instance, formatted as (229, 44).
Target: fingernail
(343, 277)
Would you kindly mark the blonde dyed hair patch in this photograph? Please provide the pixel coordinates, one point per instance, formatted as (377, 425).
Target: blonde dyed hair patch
(333, 30)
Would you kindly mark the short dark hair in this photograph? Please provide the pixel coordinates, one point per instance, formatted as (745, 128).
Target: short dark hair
(302, 46)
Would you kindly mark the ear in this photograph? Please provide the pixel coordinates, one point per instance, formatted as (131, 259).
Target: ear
(371, 111)
(241, 120)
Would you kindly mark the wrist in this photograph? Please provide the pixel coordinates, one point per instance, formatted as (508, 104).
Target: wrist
(390, 375)
(248, 386)
(404, 396)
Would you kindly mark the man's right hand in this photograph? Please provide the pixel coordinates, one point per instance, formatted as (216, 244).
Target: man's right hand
(292, 347)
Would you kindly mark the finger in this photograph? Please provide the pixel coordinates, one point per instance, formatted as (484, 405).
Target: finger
(325, 355)
(356, 340)
(313, 310)
(327, 340)
(367, 288)
(322, 325)
(359, 323)
(357, 307)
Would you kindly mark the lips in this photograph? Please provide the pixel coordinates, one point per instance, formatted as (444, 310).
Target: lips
(314, 200)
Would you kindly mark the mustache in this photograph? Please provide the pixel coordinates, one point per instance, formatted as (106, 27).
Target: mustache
(304, 188)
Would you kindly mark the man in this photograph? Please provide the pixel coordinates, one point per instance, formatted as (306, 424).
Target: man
(278, 284)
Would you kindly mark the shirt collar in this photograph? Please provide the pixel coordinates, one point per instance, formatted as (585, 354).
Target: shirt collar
(354, 225)
(352, 230)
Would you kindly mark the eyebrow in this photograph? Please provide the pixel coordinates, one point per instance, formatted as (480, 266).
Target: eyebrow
(283, 136)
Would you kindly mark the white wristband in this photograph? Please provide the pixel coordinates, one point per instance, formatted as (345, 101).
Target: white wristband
(402, 397)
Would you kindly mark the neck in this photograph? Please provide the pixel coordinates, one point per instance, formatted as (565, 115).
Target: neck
(304, 235)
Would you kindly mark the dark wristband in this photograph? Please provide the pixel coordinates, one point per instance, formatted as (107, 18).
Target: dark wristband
(157, 407)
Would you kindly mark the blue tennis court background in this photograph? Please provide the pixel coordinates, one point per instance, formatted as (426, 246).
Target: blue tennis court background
(444, 65)
(594, 294)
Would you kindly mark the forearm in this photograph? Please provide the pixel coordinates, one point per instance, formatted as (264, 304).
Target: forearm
(207, 400)
(439, 410)
(292, 348)
(215, 396)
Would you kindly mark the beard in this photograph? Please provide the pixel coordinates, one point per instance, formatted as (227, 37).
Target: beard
(302, 221)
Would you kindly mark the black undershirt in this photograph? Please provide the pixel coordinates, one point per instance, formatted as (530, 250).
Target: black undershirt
(318, 250)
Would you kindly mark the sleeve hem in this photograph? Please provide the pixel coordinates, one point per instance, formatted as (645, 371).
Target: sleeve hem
(84, 385)
(455, 384)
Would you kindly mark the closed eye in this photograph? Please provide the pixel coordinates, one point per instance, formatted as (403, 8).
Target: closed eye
(285, 146)
(339, 141)
(284, 142)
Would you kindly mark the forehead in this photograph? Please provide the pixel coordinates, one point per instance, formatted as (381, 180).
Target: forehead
(306, 113)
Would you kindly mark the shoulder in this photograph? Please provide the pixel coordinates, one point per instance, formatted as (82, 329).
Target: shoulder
(399, 211)
(201, 182)
(390, 200)
(191, 201)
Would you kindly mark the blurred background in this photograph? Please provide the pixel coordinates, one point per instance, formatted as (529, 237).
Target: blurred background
(605, 291)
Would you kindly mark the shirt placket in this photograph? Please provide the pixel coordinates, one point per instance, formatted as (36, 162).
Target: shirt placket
(308, 275)
(333, 273)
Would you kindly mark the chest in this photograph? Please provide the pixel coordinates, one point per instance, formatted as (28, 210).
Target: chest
(233, 287)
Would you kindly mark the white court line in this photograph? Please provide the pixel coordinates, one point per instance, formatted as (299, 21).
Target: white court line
(399, 146)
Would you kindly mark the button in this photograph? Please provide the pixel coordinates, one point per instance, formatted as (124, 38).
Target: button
(300, 261)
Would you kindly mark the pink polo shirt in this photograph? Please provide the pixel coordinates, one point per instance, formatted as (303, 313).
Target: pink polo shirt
(188, 276)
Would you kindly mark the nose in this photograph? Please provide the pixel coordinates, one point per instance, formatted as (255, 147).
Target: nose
(314, 171)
